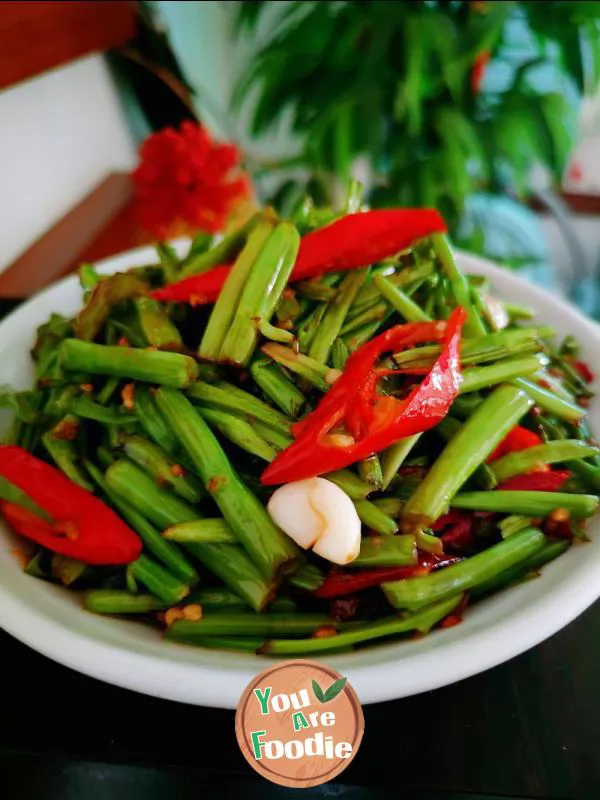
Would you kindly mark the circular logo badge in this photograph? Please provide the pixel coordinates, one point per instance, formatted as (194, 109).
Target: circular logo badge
(299, 723)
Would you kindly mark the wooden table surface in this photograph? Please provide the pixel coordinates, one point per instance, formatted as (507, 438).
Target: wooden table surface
(528, 728)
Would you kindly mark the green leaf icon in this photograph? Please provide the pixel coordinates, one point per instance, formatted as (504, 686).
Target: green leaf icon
(333, 691)
(318, 692)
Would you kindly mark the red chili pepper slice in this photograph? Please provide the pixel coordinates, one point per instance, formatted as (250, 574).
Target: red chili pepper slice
(338, 584)
(584, 370)
(451, 518)
(456, 529)
(375, 421)
(536, 482)
(198, 290)
(358, 240)
(84, 528)
(353, 241)
(518, 438)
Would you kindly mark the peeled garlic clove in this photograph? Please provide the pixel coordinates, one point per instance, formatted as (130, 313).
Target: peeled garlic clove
(497, 311)
(290, 507)
(317, 514)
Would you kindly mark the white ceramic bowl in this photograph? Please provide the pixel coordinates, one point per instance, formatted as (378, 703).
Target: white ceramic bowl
(50, 619)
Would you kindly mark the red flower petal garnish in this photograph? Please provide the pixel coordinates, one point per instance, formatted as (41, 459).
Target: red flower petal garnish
(187, 181)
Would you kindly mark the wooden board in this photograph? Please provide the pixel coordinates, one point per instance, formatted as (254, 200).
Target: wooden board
(37, 36)
(102, 224)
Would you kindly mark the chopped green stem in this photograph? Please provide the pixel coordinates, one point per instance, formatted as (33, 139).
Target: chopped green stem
(339, 354)
(303, 366)
(477, 378)
(468, 449)
(163, 468)
(64, 453)
(572, 378)
(458, 283)
(366, 332)
(422, 621)
(395, 455)
(309, 577)
(275, 438)
(151, 421)
(111, 601)
(403, 277)
(222, 252)
(386, 551)
(156, 325)
(275, 334)
(88, 277)
(587, 473)
(514, 523)
(551, 550)
(521, 461)
(517, 312)
(267, 279)
(160, 582)
(416, 593)
(66, 569)
(403, 304)
(307, 329)
(375, 314)
(228, 562)
(491, 347)
(550, 402)
(337, 309)
(225, 396)
(236, 644)
(225, 308)
(277, 387)
(532, 504)
(110, 387)
(354, 487)
(153, 366)
(200, 244)
(233, 566)
(129, 329)
(465, 405)
(270, 549)
(370, 471)
(209, 372)
(105, 456)
(290, 308)
(204, 531)
(169, 554)
(103, 297)
(240, 623)
(216, 597)
(373, 518)
(315, 290)
(389, 505)
(86, 408)
(581, 430)
(554, 384)
(158, 504)
(236, 430)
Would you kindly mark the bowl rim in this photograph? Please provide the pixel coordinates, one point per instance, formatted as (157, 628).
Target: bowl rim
(170, 671)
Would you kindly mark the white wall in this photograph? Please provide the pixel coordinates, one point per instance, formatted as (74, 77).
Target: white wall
(60, 134)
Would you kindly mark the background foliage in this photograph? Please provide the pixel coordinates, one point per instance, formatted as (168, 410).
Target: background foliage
(396, 83)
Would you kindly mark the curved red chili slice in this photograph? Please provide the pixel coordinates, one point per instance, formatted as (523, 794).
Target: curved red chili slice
(376, 421)
(84, 527)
